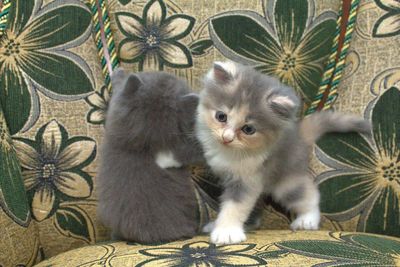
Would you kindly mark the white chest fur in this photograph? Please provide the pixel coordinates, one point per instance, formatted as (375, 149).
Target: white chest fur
(226, 163)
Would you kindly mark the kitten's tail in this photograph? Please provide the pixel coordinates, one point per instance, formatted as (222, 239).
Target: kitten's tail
(316, 125)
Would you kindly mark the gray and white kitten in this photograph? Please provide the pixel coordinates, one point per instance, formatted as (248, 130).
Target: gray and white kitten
(253, 140)
(149, 124)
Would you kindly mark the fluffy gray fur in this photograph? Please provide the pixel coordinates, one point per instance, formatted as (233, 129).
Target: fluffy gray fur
(139, 199)
(274, 160)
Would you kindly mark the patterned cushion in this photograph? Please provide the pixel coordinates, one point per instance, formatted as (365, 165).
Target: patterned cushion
(272, 248)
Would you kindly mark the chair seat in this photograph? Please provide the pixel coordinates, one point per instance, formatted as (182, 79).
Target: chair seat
(264, 247)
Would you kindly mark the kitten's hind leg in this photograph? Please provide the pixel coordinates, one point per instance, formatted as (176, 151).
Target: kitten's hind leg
(300, 195)
(255, 218)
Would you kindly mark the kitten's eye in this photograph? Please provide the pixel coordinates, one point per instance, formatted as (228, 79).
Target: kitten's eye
(220, 116)
(248, 129)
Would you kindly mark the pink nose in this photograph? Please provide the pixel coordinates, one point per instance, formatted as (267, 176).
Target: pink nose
(227, 140)
(228, 135)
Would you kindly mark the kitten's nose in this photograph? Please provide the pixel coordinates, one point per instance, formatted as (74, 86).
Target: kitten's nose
(228, 135)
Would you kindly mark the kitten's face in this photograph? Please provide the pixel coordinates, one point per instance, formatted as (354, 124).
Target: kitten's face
(233, 127)
(242, 108)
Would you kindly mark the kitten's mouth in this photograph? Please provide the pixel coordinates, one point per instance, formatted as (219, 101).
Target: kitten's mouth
(227, 137)
(225, 141)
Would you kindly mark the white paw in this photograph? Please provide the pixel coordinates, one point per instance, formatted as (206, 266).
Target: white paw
(166, 159)
(209, 227)
(228, 235)
(307, 221)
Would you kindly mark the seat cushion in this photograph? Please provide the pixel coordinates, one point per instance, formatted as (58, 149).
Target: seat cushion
(272, 248)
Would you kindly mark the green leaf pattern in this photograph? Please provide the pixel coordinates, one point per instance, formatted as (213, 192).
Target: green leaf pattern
(200, 47)
(349, 250)
(13, 198)
(72, 221)
(36, 45)
(367, 173)
(287, 42)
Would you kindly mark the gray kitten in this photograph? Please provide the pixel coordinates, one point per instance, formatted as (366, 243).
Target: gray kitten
(148, 128)
(253, 140)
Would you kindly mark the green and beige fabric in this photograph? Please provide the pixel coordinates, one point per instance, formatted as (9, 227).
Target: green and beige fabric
(55, 60)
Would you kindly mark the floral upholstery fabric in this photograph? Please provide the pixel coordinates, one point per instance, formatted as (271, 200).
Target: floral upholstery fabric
(364, 173)
(48, 70)
(185, 41)
(263, 248)
(16, 229)
(19, 245)
(54, 96)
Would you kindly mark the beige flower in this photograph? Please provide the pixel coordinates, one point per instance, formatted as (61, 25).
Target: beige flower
(52, 167)
(152, 40)
(99, 102)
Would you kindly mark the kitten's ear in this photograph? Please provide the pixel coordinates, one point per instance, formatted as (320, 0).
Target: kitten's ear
(189, 101)
(133, 82)
(187, 106)
(223, 72)
(284, 105)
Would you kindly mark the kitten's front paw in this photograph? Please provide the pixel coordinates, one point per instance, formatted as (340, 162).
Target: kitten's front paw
(228, 235)
(307, 221)
(209, 227)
